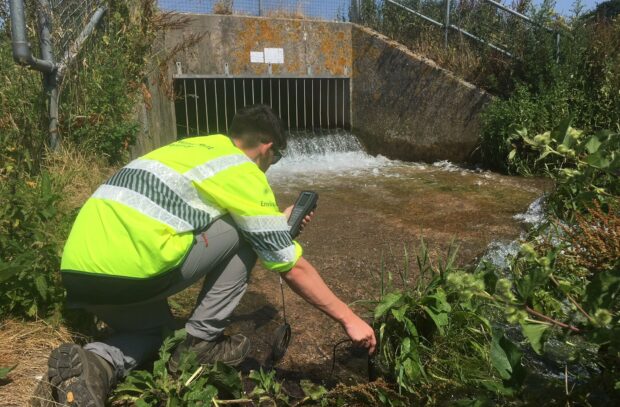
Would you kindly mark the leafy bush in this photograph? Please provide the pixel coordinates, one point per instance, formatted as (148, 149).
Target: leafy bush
(459, 336)
(204, 385)
(31, 235)
(584, 167)
(584, 84)
(436, 340)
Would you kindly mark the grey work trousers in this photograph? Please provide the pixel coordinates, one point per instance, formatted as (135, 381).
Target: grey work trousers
(222, 256)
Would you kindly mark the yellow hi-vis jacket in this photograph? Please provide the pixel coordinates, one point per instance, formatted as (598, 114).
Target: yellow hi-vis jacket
(141, 222)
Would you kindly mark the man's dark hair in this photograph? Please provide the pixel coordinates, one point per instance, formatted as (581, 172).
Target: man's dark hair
(258, 124)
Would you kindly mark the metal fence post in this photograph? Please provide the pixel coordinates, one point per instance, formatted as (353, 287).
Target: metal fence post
(447, 23)
(557, 47)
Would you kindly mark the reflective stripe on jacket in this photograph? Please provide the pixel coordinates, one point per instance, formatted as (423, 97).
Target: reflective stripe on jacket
(142, 221)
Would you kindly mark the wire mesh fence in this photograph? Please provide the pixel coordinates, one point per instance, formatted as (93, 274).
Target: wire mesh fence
(69, 17)
(337, 10)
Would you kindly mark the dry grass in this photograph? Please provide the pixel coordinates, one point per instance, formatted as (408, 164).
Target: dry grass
(297, 14)
(223, 7)
(79, 173)
(27, 345)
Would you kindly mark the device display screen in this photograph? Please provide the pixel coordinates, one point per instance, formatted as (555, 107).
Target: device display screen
(303, 199)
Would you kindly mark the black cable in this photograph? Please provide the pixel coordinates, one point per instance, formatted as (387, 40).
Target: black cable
(331, 372)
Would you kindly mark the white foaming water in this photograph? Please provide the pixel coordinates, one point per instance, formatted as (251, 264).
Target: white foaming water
(499, 253)
(535, 213)
(339, 153)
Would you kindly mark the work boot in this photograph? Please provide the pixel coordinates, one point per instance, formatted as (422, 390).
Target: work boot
(79, 377)
(230, 350)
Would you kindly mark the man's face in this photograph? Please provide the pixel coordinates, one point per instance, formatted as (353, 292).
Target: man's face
(264, 154)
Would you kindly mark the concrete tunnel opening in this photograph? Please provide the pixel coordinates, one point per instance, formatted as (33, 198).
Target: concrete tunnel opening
(206, 105)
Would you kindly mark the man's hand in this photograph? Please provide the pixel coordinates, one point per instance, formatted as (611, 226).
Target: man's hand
(307, 283)
(361, 333)
(307, 219)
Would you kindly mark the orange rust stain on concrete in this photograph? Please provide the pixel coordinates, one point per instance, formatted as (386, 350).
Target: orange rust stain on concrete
(335, 50)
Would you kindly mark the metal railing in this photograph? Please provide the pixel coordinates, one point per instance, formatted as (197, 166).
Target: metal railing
(448, 26)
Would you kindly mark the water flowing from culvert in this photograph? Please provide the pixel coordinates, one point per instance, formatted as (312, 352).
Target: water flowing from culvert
(332, 152)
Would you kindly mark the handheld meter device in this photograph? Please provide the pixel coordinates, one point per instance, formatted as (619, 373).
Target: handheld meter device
(306, 203)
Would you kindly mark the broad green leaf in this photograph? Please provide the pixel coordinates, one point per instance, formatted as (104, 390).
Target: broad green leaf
(412, 369)
(534, 334)
(505, 356)
(4, 371)
(593, 145)
(496, 386)
(386, 303)
(439, 318)
(8, 270)
(500, 361)
(405, 347)
(312, 390)
(597, 160)
(399, 313)
(512, 154)
(560, 133)
(226, 379)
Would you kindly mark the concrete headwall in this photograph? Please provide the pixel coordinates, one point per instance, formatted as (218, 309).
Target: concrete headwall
(311, 49)
(322, 47)
(403, 106)
(406, 107)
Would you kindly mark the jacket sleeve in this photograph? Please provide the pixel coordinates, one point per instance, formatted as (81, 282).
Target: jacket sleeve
(243, 191)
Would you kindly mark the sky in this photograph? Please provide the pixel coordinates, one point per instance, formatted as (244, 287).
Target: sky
(324, 8)
(564, 6)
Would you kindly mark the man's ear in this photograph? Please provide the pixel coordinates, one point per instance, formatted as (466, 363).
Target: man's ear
(264, 147)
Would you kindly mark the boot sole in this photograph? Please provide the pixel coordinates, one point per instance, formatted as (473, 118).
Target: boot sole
(67, 370)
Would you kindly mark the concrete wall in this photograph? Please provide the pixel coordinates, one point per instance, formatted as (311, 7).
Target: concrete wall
(406, 107)
(403, 106)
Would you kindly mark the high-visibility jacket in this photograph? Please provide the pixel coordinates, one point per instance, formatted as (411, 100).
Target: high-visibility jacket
(141, 222)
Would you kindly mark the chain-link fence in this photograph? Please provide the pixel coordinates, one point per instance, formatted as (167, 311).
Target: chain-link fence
(337, 10)
(62, 26)
(69, 18)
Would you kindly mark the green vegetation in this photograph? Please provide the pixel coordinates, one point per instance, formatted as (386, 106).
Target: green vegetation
(97, 120)
(195, 385)
(585, 167)
(4, 372)
(584, 84)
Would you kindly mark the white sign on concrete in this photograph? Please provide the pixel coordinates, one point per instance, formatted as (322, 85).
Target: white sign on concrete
(274, 56)
(257, 57)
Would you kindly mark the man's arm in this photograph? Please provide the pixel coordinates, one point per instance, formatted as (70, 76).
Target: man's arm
(308, 284)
